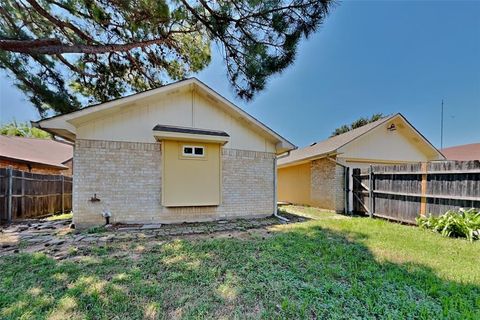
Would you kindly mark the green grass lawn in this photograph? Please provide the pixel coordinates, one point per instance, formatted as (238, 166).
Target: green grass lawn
(331, 267)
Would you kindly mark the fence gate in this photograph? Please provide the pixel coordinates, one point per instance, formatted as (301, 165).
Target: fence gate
(362, 198)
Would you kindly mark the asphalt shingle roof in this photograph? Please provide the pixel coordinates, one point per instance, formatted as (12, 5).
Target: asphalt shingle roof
(464, 152)
(42, 151)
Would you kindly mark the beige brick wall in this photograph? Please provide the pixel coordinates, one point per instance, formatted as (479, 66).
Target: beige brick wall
(339, 189)
(127, 179)
(327, 184)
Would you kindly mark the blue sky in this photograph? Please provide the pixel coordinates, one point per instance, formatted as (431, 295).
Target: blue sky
(368, 57)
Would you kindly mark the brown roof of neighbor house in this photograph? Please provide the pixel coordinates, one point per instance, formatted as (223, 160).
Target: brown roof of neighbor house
(331, 145)
(463, 152)
(40, 151)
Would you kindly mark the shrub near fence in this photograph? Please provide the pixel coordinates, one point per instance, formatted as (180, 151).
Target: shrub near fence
(404, 192)
(25, 195)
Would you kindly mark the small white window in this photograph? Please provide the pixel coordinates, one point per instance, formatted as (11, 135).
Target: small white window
(193, 151)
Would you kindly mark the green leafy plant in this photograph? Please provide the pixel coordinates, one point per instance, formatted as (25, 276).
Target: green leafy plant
(462, 223)
(357, 124)
(23, 130)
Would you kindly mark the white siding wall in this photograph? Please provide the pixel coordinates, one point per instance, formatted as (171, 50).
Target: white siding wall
(134, 123)
(382, 144)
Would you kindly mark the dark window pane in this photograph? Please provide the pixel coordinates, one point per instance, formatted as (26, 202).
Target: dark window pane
(187, 150)
(199, 151)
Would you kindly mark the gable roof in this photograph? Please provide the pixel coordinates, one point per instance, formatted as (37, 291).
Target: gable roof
(463, 152)
(61, 125)
(331, 145)
(39, 151)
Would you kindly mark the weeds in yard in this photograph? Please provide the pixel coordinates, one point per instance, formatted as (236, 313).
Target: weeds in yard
(95, 230)
(63, 216)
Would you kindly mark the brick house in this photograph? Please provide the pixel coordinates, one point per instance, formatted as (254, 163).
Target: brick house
(44, 156)
(316, 175)
(179, 153)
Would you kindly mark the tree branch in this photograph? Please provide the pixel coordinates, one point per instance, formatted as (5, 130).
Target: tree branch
(72, 67)
(55, 46)
(60, 24)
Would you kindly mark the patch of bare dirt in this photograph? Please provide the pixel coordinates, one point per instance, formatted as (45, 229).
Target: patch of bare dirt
(56, 239)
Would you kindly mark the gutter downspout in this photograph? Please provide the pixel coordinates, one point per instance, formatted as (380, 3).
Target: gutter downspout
(275, 200)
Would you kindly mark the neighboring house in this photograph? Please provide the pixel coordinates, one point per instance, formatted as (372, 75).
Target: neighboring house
(35, 155)
(179, 153)
(316, 175)
(464, 152)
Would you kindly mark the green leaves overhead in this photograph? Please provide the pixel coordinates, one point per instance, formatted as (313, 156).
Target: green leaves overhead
(357, 124)
(67, 53)
(23, 130)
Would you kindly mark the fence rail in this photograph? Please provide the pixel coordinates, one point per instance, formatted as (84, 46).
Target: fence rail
(403, 192)
(25, 195)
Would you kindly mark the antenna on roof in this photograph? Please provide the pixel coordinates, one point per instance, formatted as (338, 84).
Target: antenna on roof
(441, 128)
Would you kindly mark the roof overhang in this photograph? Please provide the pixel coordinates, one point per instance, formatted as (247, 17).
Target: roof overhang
(306, 160)
(164, 132)
(36, 163)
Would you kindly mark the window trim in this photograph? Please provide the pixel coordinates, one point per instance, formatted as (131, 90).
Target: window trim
(193, 155)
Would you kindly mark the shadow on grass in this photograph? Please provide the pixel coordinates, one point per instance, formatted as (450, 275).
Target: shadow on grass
(304, 271)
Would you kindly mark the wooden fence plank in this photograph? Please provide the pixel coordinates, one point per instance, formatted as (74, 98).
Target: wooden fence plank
(403, 192)
(25, 195)
(9, 194)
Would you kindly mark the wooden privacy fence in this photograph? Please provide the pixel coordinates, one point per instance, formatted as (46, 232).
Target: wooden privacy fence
(404, 192)
(25, 195)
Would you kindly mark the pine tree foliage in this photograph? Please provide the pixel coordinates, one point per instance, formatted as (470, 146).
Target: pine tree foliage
(67, 53)
(357, 124)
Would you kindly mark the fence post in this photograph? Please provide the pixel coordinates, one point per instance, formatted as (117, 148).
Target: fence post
(23, 193)
(370, 192)
(9, 193)
(423, 199)
(63, 194)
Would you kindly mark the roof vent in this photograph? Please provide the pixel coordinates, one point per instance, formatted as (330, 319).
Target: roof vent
(312, 144)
